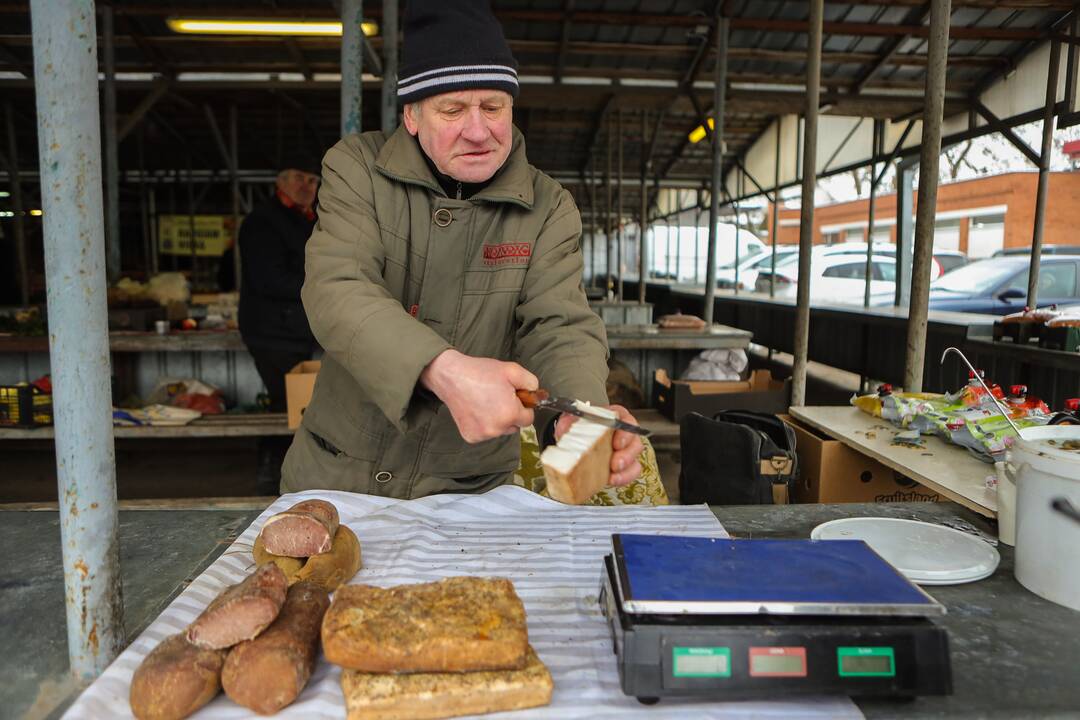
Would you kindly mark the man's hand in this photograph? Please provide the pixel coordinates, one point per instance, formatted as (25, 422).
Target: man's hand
(479, 392)
(625, 467)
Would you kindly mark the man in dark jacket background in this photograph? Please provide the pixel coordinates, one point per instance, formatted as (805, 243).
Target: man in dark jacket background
(272, 319)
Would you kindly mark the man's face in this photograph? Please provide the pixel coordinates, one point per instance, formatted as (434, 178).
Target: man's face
(299, 186)
(467, 134)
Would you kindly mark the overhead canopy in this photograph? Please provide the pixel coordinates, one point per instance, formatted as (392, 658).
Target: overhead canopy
(579, 68)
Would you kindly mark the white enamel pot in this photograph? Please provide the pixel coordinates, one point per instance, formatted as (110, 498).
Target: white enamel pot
(1047, 474)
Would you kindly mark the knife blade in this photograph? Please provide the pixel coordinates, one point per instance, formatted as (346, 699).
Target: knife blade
(541, 399)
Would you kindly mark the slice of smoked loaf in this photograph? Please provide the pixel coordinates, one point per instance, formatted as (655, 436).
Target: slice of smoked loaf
(579, 465)
(331, 570)
(459, 624)
(241, 611)
(268, 673)
(175, 679)
(429, 696)
(305, 529)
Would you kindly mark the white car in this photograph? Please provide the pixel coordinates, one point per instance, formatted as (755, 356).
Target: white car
(749, 268)
(836, 278)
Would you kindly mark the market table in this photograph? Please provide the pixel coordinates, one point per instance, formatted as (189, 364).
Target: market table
(948, 469)
(1014, 654)
(646, 348)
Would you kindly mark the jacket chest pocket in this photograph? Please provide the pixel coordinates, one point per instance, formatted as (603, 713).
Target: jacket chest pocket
(494, 280)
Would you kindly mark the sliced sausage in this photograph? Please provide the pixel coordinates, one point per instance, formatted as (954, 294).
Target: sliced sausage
(303, 530)
(241, 611)
(175, 679)
(269, 672)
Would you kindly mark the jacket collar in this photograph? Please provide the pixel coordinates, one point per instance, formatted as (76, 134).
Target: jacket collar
(402, 159)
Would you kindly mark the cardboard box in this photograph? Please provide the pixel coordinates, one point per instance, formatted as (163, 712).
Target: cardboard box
(831, 472)
(299, 384)
(760, 393)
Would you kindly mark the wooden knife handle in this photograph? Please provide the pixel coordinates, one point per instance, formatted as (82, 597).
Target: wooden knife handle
(532, 398)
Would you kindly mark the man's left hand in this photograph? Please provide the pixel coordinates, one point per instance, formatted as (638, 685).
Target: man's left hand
(625, 467)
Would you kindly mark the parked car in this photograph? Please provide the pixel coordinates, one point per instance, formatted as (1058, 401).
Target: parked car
(998, 286)
(748, 269)
(1046, 250)
(837, 278)
(847, 261)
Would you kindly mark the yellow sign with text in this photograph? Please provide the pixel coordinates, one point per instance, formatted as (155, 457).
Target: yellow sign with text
(213, 234)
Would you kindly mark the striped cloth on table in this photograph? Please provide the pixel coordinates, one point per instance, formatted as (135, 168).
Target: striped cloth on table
(552, 552)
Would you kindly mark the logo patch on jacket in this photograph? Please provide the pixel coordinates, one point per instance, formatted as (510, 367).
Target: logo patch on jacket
(507, 254)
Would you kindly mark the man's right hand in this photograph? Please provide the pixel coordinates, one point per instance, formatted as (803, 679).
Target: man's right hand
(479, 392)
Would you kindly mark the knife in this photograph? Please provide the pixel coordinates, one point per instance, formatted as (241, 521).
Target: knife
(542, 399)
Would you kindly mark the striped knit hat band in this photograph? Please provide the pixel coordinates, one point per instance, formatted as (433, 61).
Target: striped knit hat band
(453, 45)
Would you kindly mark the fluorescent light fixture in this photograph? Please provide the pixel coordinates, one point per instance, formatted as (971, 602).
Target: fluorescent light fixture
(262, 26)
(4, 193)
(698, 134)
(35, 213)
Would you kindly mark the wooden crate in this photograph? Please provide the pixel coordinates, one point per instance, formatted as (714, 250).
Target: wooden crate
(1060, 338)
(1019, 333)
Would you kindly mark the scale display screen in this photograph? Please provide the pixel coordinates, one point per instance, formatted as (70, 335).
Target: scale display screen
(866, 661)
(701, 662)
(777, 662)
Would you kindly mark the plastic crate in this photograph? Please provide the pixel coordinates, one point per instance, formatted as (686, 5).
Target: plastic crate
(24, 406)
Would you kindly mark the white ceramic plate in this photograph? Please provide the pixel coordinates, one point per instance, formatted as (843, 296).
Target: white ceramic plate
(926, 554)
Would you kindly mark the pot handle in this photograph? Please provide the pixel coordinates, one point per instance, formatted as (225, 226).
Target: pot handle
(1063, 506)
(1005, 472)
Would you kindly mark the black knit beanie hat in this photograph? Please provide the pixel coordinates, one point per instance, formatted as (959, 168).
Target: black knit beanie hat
(453, 45)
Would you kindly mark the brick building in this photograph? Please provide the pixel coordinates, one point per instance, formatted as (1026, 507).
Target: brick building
(977, 217)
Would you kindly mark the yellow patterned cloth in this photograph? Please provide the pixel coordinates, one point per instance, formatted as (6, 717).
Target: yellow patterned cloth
(646, 490)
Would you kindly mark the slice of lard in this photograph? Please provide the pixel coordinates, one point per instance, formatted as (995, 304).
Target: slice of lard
(578, 440)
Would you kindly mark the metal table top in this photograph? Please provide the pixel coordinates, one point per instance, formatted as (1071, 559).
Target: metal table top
(1014, 655)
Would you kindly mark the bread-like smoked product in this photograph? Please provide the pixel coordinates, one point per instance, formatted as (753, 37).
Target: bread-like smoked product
(331, 570)
(579, 465)
(241, 611)
(305, 529)
(429, 696)
(269, 672)
(460, 624)
(175, 679)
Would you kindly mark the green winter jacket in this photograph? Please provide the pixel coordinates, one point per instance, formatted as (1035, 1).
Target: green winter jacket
(396, 273)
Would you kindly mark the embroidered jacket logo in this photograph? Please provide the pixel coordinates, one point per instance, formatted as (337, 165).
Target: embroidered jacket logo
(507, 254)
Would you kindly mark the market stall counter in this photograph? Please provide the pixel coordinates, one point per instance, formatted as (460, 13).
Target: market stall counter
(1013, 653)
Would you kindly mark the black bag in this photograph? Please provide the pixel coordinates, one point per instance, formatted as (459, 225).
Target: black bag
(737, 457)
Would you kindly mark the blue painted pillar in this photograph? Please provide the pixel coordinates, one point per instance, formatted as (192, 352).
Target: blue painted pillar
(69, 146)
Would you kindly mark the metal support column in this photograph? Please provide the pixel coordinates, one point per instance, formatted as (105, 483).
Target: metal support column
(112, 162)
(806, 221)
(905, 231)
(644, 209)
(715, 188)
(619, 212)
(1044, 174)
(776, 209)
(352, 65)
(22, 267)
(609, 282)
(875, 149)
(152, 210)
(926, 209)
(69, 148)
(740, 188)
(390, 65)
(234, 179)
(594, 212)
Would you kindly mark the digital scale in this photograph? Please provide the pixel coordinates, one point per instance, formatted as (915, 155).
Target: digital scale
(752, 619)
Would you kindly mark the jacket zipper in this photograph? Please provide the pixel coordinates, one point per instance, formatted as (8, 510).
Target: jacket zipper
(459, 191)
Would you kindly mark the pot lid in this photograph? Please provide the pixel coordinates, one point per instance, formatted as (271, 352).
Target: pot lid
(925, 553)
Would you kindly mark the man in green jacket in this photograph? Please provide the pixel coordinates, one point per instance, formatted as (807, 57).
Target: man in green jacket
(444, 274)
